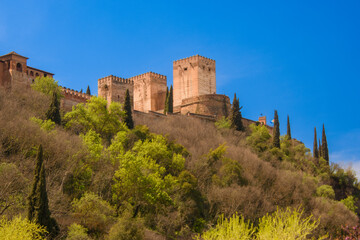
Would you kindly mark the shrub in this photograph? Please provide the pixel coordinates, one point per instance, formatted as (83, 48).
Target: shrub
(93, 212)
(47, 86)
(286, 225)
(229, 229)
(223, 122)
(46, 125)
(325, 191)
(19, 228)
(126, 228)
(349, 202)
(77, 232)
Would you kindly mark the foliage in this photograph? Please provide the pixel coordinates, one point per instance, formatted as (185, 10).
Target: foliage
(47, 86)
(235, 116)
(93, 143)
(126, 228)
(93, 212)
(97, 117)
(325, 191)
(77, 232)
(324, 146)
(128, 112)
(286, 225)
(259, 138)
(276, 133)
(166, 101)
(234, 228)
(53, 112)
(350, 233)
(20, 228)
(170, 102)
(46, 125)
(349, 202)
(223, 122)
(13, 186)
(88, 92)
(38, 203)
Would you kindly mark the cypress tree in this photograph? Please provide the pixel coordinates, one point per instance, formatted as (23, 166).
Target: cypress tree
(276, 134)
(288, 134)
(128, 114)
(324, 146)
(171, 101)
(53, 112)
(38, 203)
(320, 149)
(88, 90)
(235, 117)
(166, 100)
(315, 147)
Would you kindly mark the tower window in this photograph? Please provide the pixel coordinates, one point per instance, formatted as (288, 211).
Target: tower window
(37, 75)
(185, 69)
(31, 73)
(209, 69)
(45, 75)
(19, 67)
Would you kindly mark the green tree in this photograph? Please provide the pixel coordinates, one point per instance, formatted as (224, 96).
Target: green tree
(315, 147)
(235, 117)
(47, 86)
(276, 133)
(53, 113)
(96, 116)
(325, 191)
(288, 133)
(88, 90)
(171, 101)
(38, 203)
(128, 113)
(166, 100)
(324, 146)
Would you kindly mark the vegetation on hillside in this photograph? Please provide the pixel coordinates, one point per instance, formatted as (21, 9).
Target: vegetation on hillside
(171, 177)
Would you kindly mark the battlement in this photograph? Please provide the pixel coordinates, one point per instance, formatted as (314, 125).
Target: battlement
(112, 78)
(74, 93)
(193, 59)
(147, 75)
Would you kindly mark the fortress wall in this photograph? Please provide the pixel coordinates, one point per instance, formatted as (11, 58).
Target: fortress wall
(72, 98)
(113, 88)
(5, 78)
(210, 104)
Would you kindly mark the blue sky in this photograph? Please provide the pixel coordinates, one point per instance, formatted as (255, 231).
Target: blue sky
(299, 57)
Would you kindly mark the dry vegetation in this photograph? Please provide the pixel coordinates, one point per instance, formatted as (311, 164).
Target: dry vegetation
(236, 180)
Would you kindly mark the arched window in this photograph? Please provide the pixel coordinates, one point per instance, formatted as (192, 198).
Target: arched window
(45, 75)
(31, 73)
(19, 67)
(37, 74)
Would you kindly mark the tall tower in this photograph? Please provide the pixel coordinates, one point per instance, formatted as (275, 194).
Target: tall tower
(149, 91)
(193, 76)
(113, 88)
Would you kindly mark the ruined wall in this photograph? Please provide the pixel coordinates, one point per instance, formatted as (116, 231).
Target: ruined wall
(113, 88)
(72, 98)
(211, 104)
(193, 76)
(149, 91)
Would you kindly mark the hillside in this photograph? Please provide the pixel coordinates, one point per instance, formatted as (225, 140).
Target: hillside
(169, 178)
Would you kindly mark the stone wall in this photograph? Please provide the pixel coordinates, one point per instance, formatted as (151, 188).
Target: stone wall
(193, 76)
(72, 98)
(211, 104)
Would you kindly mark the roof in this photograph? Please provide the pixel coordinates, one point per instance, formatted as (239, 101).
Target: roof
(13, 53)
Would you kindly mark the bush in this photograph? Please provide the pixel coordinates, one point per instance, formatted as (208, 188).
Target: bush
(77, 232)
(126, 228)
(19, 228)
(286, 225)
(223, 122)
(93, 212)
(229, 229)
(325, 191)
(349, 202)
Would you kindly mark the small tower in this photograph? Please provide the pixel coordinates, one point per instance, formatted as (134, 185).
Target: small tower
(113, 88)
(193, 76)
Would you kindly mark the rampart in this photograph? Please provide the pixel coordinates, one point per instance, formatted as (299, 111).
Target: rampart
(211, 104)
(72, 98)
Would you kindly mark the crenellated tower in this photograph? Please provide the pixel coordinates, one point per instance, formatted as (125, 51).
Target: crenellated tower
(113, 88)
(193, 76)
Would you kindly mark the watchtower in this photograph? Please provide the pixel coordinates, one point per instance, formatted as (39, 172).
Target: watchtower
(193, 76)
(149, 91)
(113, 88)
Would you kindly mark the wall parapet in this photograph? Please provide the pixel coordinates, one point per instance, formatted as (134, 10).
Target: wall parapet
(112, 78)
(193, 58)
(148, 74)
(74, 93)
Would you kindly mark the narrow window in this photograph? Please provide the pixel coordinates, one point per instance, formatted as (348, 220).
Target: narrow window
(185, 69)
(45, 75)
(37, 74)
(31, 73)
(18, 67)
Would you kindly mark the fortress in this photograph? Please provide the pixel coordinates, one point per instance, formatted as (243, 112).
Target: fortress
(194, 89)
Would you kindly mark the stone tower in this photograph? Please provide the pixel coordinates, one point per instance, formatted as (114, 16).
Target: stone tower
(149, 91)
(193, 76)
(113, 88)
